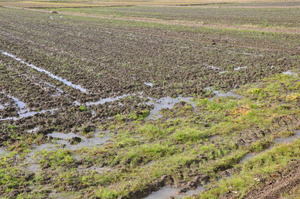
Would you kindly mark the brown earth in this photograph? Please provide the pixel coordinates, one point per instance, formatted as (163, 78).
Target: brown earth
(179, 22)
(279, 184)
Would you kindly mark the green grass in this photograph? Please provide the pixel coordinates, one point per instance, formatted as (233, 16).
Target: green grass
(178, 146)
(261, 17)
(255, 171)
(187, 141)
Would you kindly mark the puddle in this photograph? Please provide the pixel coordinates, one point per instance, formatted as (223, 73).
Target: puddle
(23, 111)
(63, 136)
(163, 193)
(64, 139)
(76, 103)
(223, 72)
(108, 99)
(284, 140)
(221, 94)
(165, 103)
(2, 107)
(66, 82)
(148, 84)
(29, 114)
(103, 101)
(240, 67)
(248, 156)
(93, 112)
(30, 156)
(196, 191)
(46, 146)
(288, 139)
(30, 161)
(167, 192)
(35, 129)
(228, 94)
(32, 113)
(89, 142)
(2, 152)
(21, 105)
(214, 67)
(289, 73)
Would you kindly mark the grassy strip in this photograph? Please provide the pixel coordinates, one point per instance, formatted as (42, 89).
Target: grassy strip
(255, 171)
(186, 142)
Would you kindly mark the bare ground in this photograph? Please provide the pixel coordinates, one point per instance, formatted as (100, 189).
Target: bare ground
(179, 22)
(279, 184)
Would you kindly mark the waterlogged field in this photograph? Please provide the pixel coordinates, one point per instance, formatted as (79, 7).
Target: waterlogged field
(124, 102)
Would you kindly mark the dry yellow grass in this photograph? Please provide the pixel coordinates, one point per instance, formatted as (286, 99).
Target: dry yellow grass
(86, 3)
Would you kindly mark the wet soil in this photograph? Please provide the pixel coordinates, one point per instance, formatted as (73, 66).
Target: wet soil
(280, 184)
(62, 78)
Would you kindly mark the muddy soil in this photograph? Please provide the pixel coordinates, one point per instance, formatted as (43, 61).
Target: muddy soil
(99, 65)
(63, 77)
(279, 184)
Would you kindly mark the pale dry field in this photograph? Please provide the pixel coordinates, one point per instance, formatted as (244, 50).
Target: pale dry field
(86, 3)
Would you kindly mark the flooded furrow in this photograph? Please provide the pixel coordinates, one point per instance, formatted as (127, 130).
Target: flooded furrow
(58, 90)
(104, 100)
(168, 192)
(149, 84)
(29, 114)
(21, 105)
(35, 129)
(240, 67)
(161, 103)
(221, 94)
(2, 106)
(23, 111)
(175, 193)
(290, 73)
(64, 81)
(283, 140)
(215, 68)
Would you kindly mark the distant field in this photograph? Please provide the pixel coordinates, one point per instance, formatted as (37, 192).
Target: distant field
(279, 16)
(225, 15)
(86, 3)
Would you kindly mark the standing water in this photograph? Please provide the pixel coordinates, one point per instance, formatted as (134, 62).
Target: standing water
(66, 82)
(166, 102)
(168, 192)
(283, 140)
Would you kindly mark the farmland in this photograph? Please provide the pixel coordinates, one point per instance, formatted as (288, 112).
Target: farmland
(152, 99)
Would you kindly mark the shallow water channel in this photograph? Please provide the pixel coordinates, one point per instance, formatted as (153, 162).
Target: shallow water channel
(64, 81)
(168, 192)
(23, 111)
(283, 140)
